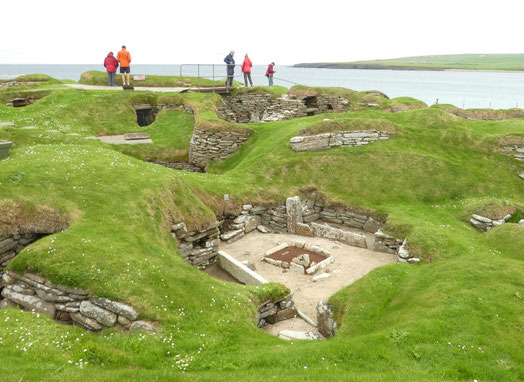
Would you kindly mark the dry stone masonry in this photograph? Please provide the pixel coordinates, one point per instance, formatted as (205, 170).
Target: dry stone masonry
(271, 312)
(66, 304)
(342, 138)
(208, 145)
(198, 248)
(485, 224)
(258, 107)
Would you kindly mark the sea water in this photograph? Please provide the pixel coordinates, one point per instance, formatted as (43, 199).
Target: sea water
(467, 89)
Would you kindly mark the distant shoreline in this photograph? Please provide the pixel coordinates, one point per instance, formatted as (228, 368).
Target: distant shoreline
(394, 67)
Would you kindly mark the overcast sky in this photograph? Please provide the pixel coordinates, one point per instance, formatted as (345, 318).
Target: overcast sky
(284, 31)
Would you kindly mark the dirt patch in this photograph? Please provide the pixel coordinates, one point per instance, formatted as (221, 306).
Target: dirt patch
(289, 253)
(351, 263)
(24, 218)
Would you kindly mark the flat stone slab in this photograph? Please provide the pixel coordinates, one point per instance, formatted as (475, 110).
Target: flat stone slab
(7, 124)
(28, 128)
(136, 136)
(120, 140)
(294, 335)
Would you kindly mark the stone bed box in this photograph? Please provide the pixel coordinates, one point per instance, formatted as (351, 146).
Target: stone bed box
(4, 149)
(300, 263)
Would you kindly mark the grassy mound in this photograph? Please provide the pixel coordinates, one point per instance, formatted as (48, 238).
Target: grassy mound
(456, 316)
(94, 77)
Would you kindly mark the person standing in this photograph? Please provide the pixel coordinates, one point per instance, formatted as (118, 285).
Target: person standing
(230, 61)
(269, 72)
(124, 58)
(246, 69)
(110, 63)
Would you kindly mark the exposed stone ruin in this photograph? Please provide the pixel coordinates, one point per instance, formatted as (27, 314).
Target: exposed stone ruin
(341, 138)
(258, 107)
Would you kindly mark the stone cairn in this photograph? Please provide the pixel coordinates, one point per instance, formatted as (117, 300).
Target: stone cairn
(207, 145)
(271, 312)
(259, 107)
(342, 138)
(485, 224)
(66, 304)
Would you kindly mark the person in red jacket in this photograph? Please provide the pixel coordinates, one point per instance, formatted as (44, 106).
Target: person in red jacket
(246, 69)
(110, 63)
(269, 73)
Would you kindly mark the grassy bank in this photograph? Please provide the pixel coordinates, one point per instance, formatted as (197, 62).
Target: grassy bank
(457, 316)
(496, 62)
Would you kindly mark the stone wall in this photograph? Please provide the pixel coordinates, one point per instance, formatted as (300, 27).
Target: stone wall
(257, 107)
(12, 245)
(516, 150)
(271, 312)
(67, 305)
(208, 145)
(198, 248)
(342, 138)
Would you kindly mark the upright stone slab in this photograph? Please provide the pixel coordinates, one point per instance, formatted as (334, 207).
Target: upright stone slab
(325, 323)
(294, 213)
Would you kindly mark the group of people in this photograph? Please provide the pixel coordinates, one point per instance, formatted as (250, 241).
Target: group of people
(123, 59)
(246, 70)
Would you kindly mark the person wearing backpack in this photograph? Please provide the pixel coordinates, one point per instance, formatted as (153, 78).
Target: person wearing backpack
(246, 69)
(269, 72)
(110, 63)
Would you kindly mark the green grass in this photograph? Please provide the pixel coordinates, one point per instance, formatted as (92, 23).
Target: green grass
(456, 316)
(511, 62)
(94, 77)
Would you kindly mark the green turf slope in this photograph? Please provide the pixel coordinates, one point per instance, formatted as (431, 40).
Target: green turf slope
(457, 316)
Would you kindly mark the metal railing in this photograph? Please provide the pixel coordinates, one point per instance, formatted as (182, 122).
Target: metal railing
(210, 71)
(210, 68)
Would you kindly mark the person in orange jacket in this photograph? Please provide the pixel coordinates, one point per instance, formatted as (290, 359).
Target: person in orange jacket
(124, 58)
(246, 69)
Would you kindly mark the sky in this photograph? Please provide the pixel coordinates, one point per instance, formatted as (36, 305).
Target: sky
(283, 31)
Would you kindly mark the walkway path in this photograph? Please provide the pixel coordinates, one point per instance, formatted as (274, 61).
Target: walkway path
(150, 89)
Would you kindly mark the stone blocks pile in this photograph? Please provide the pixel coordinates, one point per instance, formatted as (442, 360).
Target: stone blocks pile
(485, 224)
(198, 248)
(206, 145)
(271, 312)
(67, 305)
(342, 138)
(386, 243)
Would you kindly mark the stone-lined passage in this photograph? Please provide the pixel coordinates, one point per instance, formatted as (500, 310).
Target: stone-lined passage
(341, 138)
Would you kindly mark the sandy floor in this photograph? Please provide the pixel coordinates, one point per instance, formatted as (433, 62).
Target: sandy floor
(351, 263)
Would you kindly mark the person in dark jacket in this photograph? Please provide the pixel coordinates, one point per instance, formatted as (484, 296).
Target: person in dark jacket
(110, 63)
(230, 61)
(269, 72)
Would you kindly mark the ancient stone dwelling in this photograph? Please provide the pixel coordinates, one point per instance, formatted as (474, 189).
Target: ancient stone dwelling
(257, 107)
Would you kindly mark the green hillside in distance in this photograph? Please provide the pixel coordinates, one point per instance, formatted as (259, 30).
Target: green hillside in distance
(496, 62)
